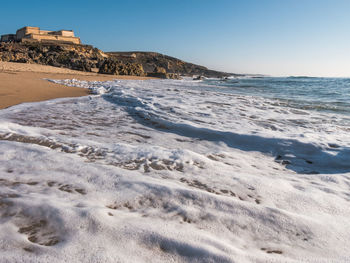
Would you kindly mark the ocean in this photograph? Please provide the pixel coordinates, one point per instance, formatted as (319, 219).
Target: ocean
(309, 93)
(251, 169)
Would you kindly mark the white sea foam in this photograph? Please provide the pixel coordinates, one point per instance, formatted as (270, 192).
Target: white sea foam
(162, 170)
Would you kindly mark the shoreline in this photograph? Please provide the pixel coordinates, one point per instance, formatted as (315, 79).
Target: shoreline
(20, 83)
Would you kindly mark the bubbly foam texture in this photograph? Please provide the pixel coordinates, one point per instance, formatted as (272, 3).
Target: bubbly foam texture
(164, 170)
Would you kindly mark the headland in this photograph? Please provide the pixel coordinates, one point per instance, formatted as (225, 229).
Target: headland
(31, 55)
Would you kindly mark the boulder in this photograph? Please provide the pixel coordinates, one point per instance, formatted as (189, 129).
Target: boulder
(199, 78)
(163, 75)
(115, 67)
(159, 70)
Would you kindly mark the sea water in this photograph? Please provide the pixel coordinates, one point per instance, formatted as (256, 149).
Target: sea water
(322, 94)
(232, 170)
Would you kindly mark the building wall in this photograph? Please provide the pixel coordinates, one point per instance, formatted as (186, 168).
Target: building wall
(26, 30)
(35, 34)
(8, 38)
(39, 37)
(67, 33)
(44, 32)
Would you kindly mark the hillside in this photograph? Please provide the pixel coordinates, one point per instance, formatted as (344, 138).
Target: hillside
(90, 59)
(155, 62)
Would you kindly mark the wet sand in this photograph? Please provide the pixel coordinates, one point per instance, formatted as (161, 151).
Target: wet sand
(26, 83)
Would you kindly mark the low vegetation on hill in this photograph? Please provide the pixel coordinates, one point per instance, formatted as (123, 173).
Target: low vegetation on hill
(156, 62)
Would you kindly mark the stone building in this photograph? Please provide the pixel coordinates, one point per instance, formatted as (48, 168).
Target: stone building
(35, 34)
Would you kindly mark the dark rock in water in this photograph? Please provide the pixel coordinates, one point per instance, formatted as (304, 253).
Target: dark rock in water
(285, 162)
(312, 172)
(333, 145)
(279, 157)
(199, 78)
(228, 79)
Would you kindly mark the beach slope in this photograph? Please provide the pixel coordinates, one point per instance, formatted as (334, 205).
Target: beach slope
(20, 82)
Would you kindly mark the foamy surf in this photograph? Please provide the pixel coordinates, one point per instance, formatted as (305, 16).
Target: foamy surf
(163, 170)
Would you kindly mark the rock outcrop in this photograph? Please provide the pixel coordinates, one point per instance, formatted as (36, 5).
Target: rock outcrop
(115, 67)
(162, 75)
(90, 59)
(199, 78)
(155, 63)
(77, 57)
(160, 72)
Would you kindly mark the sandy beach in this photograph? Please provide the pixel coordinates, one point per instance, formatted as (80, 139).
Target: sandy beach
(26, 82)
(175, 171)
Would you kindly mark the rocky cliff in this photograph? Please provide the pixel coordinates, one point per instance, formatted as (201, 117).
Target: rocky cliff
(78, 57)
(88, 58)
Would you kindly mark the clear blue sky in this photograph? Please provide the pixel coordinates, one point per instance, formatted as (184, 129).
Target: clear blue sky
(276, 37)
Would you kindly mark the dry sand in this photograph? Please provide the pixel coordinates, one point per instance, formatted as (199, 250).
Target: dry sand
(25, 82)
